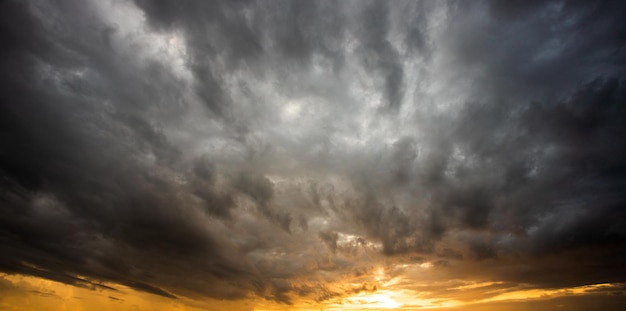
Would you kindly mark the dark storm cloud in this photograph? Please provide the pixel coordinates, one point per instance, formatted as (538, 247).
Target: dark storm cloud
(378, 54)
(553, 159)
(76, 193)
(219, 149)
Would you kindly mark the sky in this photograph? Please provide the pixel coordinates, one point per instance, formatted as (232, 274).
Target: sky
(312, 155)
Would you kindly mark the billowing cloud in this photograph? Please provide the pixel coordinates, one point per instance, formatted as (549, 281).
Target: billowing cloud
(289, 151)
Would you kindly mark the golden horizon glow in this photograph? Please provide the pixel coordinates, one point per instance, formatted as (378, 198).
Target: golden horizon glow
(21, 292)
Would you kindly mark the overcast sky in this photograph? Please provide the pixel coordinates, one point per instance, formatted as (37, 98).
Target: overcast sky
(314, 153)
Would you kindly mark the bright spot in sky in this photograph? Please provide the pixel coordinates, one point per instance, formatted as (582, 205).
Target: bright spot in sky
(292, 110)
(426, 265)
(380, 274)
(380, 299)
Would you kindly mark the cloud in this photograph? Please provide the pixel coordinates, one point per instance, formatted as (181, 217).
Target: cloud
(277, 149)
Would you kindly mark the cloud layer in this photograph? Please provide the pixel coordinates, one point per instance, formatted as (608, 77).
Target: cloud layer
(286, 150)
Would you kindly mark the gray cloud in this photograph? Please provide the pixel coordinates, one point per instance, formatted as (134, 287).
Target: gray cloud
(225, 149)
